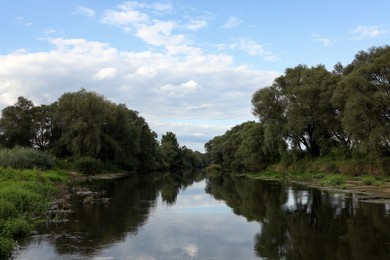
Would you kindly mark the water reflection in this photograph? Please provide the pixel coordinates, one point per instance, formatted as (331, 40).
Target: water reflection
(181, 216)
(302, 223)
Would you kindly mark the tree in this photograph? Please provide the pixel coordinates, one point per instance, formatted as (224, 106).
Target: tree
(297, 109)
(171, 151)
(16, 124)
(82, 116)
(363, 98)
(45, 129)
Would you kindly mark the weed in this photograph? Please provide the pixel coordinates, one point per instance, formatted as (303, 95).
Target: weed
(368, 180)
(334, 180)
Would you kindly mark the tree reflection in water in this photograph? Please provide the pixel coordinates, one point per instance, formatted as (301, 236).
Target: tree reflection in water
(304, 223)
(97, 226)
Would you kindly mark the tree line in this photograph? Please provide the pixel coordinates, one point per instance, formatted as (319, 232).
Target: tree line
(310, 111)
(84, 124)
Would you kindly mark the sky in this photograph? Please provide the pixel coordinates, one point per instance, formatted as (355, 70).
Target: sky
(187, 67)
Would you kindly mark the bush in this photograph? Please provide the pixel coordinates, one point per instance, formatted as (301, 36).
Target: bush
(334, 180)
(368, 180)
(6, 246)
(25, 158)
(214, 169)
(89, 165)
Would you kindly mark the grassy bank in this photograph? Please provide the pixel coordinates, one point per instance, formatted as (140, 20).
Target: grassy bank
(25, 196)
(366, 176)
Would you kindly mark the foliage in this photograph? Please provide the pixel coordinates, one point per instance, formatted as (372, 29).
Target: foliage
(85, 124)
(25, 158)
(16, 124)
(241, 149)
(176, 157)
(214, 169)
(334, 180)
(88, 165)
(6, 246)
(368, 180)
(310, 112)
(363, 98)
(24, 196)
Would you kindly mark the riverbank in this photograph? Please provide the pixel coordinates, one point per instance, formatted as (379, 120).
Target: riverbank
(367, 188)
(25, 197)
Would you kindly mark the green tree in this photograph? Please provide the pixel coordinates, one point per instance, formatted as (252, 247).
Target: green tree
(82, 116)
(171, 151)
(297, 109)
(45, 129)
(363, 99)
(16, 124)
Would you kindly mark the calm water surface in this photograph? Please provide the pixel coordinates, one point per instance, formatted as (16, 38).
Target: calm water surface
(185, 216)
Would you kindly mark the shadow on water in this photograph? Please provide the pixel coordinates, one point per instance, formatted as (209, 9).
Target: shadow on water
(304, 223)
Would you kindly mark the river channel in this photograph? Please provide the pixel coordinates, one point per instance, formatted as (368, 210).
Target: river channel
(188, 216)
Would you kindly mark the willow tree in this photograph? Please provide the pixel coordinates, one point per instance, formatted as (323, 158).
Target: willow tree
(297, 110)
(82, 116)
(363, 98)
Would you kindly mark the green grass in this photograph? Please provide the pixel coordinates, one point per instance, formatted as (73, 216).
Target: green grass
(368, 180)
(24, 198)
(334, 180)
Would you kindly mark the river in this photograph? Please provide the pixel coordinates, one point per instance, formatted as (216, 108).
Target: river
(186, 216)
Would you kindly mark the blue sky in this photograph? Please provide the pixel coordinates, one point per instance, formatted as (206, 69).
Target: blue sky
(189, 67)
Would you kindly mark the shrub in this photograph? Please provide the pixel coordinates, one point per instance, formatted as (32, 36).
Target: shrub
(6, 246)
(334, 180)
(25, 158)
(368, 180)
(214, 169)
(88, 165)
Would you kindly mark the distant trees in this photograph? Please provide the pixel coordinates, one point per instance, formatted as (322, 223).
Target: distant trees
(84, 124)
(241, 149)
(177, 157)
(311, 111)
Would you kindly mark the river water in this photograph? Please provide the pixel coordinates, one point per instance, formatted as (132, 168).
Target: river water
(185, 216)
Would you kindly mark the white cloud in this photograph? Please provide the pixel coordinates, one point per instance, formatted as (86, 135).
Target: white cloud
(205, 91)
(137, 18)
(82, 10)
(232, 22)
(254, 49)
(325, 41)
(364, 32)
(177, 91)
(106, 73)
(195, 25)
(124, 16)
(160, 34)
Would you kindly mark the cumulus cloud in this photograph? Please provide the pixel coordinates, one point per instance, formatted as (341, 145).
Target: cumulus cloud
(138, 19)
(204, 90)
(232, 22)
(363, 32)
(177, 91)
(105, 73)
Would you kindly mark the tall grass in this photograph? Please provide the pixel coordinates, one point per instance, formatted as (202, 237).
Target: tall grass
(24, 196)
(25, 158)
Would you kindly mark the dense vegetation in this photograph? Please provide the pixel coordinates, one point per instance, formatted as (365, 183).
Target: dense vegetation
(86, 128)
(310, 112)
(82, 131)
